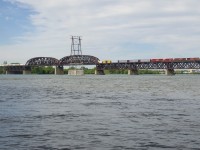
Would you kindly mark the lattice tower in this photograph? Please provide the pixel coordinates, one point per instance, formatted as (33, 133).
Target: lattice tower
(76, 45)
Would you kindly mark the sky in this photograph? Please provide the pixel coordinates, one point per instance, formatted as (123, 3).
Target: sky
(110, 29)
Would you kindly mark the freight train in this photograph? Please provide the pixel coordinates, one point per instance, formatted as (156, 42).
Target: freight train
(160, 60)
(195, 59)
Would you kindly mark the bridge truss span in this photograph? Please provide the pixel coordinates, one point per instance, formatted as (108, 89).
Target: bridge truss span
(43, 61)
(79, 60)
(149, 65)
(186, 65)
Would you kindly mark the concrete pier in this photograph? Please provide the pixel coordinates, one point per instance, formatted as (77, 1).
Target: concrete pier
(169, 72)
(99, 72)
(133, 72)
(76, 72)
(59, 70)
(26, 72)
(9, 72)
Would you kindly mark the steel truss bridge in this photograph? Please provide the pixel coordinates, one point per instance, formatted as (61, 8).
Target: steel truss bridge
(150, 65)
(91, 60)
(76, 58)
(100, 67)
(65, 61)
(15, 69)
(50, 61)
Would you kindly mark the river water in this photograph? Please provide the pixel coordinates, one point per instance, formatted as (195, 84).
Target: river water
(111, 112)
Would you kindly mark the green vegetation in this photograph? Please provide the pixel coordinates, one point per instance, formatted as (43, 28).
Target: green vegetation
(42, 70)
(149, 72)
(1, 70)
(45, 70)
(126, 71)
(50, 70)
(179, 72)
(115, 71)
(89, 71)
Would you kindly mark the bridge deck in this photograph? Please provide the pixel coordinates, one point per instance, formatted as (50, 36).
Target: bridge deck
(150, 65)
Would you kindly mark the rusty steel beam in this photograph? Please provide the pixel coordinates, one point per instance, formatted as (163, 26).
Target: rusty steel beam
(149, 65)
(79, 60)
(43, 61)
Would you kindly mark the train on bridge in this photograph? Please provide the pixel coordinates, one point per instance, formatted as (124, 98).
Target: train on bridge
(162, 60)
(169, 64)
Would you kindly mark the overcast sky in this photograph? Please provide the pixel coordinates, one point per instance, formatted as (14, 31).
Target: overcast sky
(110, 29)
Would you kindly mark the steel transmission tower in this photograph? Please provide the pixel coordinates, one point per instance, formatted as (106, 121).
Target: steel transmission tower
(76, 45)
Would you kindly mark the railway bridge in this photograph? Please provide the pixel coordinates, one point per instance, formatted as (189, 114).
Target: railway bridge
(132, 66)
(50, 61)
(76, 58)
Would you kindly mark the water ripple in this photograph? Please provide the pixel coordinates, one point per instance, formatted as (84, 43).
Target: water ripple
(99, 112)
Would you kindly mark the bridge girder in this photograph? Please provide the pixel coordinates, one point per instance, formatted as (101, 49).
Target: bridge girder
(79, 60)
(14, 68)
(149, 65)
(43, 61)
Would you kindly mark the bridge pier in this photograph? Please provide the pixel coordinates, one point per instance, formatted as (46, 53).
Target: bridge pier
(169, 72)
(99, 72)
(76, 72)
(26, 72)
(133, 72)
(8, 72)
(59, 70)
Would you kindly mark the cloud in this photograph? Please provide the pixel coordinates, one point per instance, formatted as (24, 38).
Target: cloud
(111, 29)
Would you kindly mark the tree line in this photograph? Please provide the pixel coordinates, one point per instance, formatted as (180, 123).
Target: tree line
(51, 70)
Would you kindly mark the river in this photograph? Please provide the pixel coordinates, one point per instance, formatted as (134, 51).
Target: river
(91, 112)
